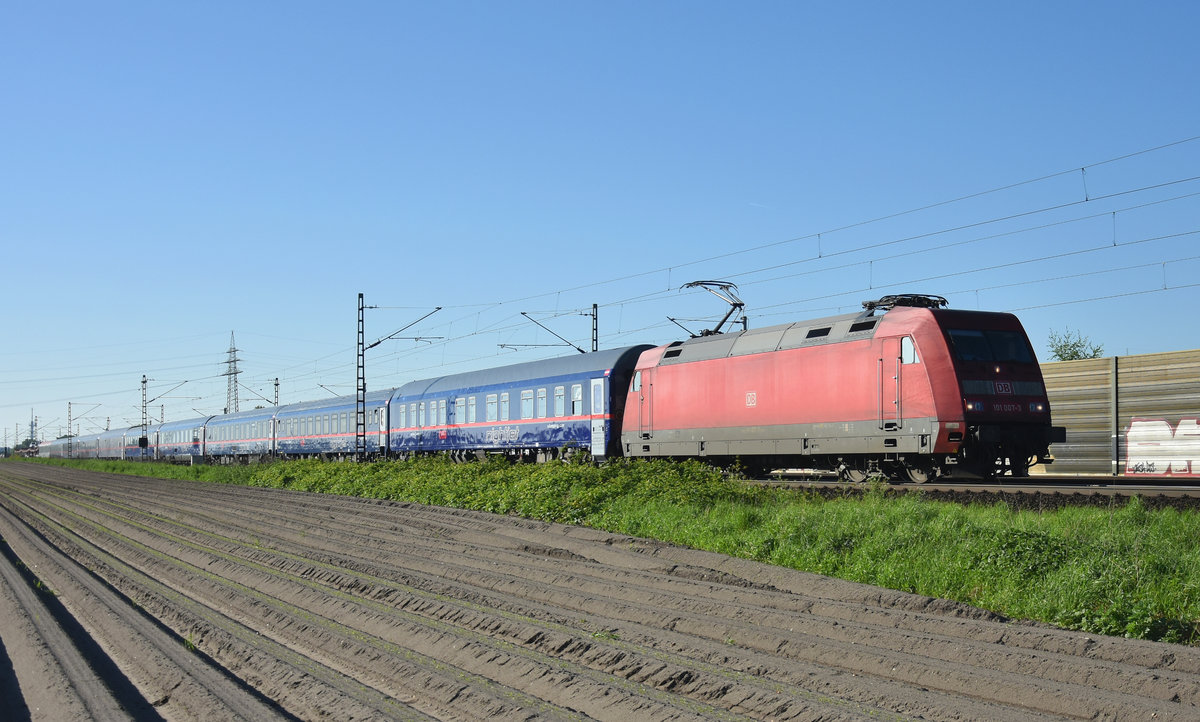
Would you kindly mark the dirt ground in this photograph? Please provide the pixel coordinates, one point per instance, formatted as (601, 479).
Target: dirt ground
(125, 597)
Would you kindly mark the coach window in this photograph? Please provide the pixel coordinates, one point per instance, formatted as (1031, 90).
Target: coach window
(490, 408)
(527, 404)
(908, 352)
(442, 412)
(344, 426)
(460, 410)
(504, 406)
(471, 410)
(412, 416)
(421, 414)
(402, 420)
(541, 403)
(560, 400)
(576, 399)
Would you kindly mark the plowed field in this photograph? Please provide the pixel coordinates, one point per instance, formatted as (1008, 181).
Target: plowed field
(126, 597)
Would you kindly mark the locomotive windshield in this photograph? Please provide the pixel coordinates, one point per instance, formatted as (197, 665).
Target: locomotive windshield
(1004, 346)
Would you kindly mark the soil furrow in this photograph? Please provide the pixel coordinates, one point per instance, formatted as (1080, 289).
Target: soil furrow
(341, 649)
(455, 613)
(340, 608)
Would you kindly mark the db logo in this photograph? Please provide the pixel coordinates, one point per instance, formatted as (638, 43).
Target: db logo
(751, 399)
(1004, 387)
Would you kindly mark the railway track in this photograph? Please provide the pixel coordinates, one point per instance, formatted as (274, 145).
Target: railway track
(1037, 492)
(205, 601)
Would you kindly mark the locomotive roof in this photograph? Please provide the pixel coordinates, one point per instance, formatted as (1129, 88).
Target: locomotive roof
(813, 332)
(595, 363)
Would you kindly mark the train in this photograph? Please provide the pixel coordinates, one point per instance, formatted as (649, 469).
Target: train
(906, 388)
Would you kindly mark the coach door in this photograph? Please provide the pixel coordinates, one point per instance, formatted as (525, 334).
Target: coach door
(890, 412)
(599, 420)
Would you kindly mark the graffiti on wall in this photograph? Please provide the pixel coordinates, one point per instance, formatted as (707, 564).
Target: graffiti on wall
(1154, 448)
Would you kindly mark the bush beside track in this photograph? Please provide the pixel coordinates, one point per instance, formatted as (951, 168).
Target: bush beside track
(1126, 570)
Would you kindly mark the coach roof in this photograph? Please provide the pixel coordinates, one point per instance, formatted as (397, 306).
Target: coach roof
(595, 364)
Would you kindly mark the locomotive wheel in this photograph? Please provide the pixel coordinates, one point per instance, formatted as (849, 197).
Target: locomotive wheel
(856, 476)
(917, 475)
(1020, 469)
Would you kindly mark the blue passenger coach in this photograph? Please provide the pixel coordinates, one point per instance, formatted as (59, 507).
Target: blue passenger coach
(533, 410)
(328, 427)
(111, 444)
(242, 436)
(181, 441)
(133, 442)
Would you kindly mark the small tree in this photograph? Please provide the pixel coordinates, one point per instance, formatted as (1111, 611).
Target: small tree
(1072, 346)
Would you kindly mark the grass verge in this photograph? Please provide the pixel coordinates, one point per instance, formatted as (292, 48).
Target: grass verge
(1124, 571)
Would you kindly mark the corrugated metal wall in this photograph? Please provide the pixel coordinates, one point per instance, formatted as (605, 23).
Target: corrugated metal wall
(1097, 400)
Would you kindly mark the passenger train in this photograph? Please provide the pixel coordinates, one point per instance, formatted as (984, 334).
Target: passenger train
(906, 388)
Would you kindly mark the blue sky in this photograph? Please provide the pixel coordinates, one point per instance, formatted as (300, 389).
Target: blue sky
(174, 172)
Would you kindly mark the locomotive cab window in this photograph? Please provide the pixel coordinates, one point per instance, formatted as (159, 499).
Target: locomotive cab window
(970, 345)
(637, 380)
(976, 345)
(908, 351)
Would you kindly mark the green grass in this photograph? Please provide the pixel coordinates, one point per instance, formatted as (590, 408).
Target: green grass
(1125, 571)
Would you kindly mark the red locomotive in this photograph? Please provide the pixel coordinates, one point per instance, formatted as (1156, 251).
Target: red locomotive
(906, 388)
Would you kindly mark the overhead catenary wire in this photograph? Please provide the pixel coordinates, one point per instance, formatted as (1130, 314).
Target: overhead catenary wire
(509, 323)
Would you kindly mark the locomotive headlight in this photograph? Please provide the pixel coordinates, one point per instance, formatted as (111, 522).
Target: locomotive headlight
(997, 369)
(973, 405)
(1037, 407)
